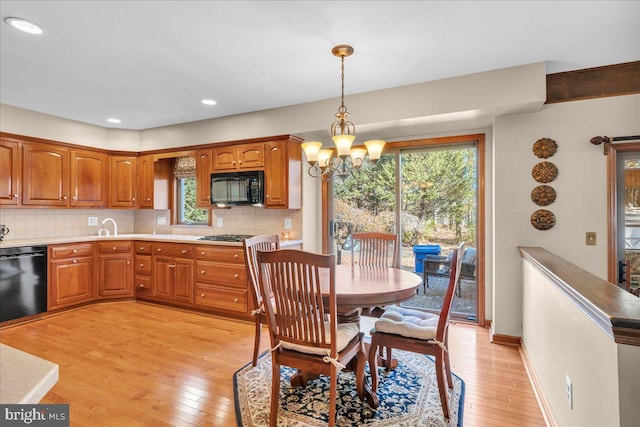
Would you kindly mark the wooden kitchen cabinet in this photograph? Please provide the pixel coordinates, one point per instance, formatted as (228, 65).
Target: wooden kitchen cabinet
(115, 271)
(221, 279)
(45, 175)
(282, 174)
(10, 164)
(71, 275)
(172, 266)
(142, 269)
(123, 181)
(89, 178)
(238, 157)
(145, 181)
(203, 178)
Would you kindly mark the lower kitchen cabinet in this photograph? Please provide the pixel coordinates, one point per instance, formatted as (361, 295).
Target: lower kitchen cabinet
(173, 272)
(115, 272)
(221, 279)
(71, 275)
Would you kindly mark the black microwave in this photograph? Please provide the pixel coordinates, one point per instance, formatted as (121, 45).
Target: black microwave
(237, 188)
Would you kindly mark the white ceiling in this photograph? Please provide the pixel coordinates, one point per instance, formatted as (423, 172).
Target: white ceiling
(150, 62)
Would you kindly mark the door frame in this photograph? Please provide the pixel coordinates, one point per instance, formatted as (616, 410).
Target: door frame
(479, 141)
(612, 206)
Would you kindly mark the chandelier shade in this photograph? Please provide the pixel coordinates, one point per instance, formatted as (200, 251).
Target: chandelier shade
(348, 159)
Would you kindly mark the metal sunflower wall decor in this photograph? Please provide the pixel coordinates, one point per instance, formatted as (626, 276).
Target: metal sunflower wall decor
(543, 195)
(545, 148)
(544, 172)
(543, 219)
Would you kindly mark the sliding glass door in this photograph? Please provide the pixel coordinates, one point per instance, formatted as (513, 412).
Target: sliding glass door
(428, 194)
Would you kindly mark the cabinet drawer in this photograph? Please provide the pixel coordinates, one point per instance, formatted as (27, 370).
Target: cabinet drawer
(74, 250)
(219, 297)
(220, 253)
(143, 248)
(170, 250)
(114, 247)
(143, 264)
(228, 274)
(142, 284)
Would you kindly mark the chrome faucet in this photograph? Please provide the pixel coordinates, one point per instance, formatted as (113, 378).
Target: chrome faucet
(115, 226)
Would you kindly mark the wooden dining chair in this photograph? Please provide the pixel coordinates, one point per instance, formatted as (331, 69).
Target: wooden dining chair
(251, 247)
(419, 332)
(301, 337)
(376, 249)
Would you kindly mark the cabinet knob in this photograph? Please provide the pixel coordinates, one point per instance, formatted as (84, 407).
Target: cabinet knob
(15, 195)
(208, 197)
(64, 197)
(235, 255)
(235, 276)
(115, 248)
(148, 199)
(235, 300)
(267, 196)
(133, 199)
(74, 198)
(203, 272)
(184, 251)
(233, 162)
(201, 295)
(159, 249)
(141, 265)
(202, 253)
(142, 248)
(128, 262)
(74, 261)
(74, 251)
(172, 266)
(240, 161)
(141, 286)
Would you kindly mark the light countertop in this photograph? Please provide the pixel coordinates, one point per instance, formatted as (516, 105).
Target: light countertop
(24, 378)
(173, 238)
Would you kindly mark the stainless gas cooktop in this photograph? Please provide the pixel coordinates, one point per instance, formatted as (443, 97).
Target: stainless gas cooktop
(226, 237)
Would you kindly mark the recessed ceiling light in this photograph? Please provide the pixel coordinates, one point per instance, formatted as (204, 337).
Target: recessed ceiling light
(24, 25)
(208, 101)
(114, 120)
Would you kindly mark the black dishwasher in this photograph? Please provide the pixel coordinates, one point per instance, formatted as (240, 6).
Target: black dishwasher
(23, 281)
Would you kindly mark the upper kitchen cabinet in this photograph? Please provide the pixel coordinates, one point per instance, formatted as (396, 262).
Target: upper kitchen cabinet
(145, 181)
(203, 177)
(89, 178)
(238, 157)
(9, 172)
(282, 174)
(45, 175)
(123, 180)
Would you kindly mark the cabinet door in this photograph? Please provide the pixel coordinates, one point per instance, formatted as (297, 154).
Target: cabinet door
(183, 280)
(275, 175)
(70, 281)
(9, 172)
(89, 178)
(45, 175)
(123, 182)
(115, 276)
(203, 178)
(164, 272)
(145, 182)
(224, 158)
(250, 156)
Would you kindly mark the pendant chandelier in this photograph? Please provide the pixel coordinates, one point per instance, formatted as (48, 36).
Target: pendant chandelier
(322, 163)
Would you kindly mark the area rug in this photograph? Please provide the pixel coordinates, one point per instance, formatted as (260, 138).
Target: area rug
(408, 397)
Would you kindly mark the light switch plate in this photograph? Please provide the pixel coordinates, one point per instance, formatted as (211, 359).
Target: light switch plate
(287, 223)
(219, 222)
(591, 238)
(162, 220)
(93, 220)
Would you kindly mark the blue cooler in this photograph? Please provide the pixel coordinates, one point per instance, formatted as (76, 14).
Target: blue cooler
(421, 251)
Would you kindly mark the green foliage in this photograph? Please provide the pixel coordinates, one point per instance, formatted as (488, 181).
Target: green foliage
(191, 214)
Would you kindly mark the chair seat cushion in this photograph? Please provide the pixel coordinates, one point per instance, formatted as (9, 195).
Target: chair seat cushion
(345, 333)
(408, 323)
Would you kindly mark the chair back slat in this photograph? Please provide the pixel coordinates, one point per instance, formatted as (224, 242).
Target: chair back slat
(295, 279)
(376, 249)
(454, 278)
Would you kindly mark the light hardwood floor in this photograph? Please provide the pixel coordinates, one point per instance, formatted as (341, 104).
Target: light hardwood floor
(136, 364)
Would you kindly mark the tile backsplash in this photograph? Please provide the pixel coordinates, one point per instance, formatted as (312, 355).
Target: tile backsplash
(39, 223)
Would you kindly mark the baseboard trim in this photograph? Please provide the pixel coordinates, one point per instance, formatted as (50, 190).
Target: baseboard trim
(544, 405)
(505, 339)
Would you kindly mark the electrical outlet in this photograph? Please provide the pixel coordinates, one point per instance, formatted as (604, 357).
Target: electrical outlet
(219, 222)
(591, 238)
(569, 391)
(162, 220)
(287, 223)
(93, 220)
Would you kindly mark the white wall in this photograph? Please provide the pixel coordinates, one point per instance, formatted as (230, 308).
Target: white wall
(581, 203)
